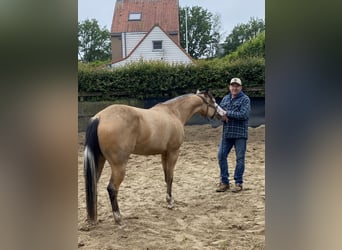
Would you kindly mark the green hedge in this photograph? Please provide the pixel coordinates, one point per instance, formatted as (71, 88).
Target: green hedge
(157, 79)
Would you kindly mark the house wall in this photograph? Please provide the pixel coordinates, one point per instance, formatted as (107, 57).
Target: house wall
(131, 41)
(116, 47)
(170, 53)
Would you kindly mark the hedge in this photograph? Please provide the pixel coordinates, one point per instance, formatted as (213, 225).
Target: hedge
(157, 79)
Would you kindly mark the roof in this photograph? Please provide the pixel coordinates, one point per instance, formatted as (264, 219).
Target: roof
(165, 13)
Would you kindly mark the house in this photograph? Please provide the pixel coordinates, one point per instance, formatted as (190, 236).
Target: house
(146, 30)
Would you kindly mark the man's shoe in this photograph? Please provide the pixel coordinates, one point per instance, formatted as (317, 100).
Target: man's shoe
(237, 188)
(222, 187)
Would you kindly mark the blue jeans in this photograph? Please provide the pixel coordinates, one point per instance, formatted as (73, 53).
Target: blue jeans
(240, 151)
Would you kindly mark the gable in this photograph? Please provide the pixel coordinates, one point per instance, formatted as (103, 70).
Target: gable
(169, 51)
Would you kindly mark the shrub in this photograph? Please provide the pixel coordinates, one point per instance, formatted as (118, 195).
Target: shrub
(158, 79)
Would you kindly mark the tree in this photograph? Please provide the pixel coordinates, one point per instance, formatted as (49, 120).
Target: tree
(203, 31)
(242, 33)
(93, 42)
(255, 47)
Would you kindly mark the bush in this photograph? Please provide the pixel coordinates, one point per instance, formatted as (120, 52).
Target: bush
(158, 79)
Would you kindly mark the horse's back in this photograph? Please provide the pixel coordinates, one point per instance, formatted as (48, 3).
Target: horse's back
(141, 131)
(116, 117)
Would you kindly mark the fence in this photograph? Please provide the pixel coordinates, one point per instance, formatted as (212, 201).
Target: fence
(87, 96)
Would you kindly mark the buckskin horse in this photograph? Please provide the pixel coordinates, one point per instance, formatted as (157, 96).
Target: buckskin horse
(120, 130)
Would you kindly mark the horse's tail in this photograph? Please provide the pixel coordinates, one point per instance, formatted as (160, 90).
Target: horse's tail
(91, 156)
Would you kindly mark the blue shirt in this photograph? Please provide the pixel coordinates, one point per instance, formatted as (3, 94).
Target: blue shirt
(238, 109)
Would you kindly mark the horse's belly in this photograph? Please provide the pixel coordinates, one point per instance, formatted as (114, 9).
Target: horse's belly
(157, 146)
(149, 149)
(147, 152)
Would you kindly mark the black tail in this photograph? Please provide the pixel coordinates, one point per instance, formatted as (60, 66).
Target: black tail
(91, 156)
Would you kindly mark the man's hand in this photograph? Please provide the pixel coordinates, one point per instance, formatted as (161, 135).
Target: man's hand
(224, 118)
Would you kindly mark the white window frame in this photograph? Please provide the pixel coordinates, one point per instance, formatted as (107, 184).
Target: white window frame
(134, 16)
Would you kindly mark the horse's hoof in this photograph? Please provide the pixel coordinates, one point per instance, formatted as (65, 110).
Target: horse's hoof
(169, 201)
(117, 218)
(118, 221)
(91, 222)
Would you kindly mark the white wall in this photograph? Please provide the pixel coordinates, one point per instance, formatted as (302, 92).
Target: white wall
(171, 53)
(130, 40)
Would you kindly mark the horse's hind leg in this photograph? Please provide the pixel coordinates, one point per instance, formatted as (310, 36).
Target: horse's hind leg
(100, 166)
(118, 174)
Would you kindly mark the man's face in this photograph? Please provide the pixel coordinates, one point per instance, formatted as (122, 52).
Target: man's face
(235, 88)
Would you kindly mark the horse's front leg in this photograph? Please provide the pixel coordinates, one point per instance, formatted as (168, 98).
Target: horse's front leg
(169, 162)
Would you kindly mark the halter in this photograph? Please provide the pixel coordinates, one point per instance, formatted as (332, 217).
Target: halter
(208, 105)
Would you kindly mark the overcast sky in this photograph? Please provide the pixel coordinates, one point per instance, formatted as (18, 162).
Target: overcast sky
(232, 12)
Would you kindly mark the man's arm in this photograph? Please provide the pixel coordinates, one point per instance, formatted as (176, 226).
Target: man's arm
(223, 105)
(243, 113)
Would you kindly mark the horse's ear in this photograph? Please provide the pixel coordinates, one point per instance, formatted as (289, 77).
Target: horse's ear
(197, 92)
(207, 92)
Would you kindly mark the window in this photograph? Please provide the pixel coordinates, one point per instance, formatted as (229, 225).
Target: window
(136, 16)
(157, 45)
(173, 33)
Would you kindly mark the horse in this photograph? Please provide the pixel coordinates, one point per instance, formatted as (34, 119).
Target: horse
(120, 130)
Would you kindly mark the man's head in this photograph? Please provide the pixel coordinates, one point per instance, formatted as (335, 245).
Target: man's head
(235, 86)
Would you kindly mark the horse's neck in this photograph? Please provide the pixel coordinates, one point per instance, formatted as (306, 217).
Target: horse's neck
(185, 108)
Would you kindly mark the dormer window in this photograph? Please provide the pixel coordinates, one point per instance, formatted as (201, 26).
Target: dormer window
(134, 16)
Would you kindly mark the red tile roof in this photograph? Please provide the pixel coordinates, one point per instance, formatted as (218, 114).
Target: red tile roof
(161, 12)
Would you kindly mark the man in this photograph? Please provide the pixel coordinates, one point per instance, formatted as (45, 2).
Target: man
(234, 133)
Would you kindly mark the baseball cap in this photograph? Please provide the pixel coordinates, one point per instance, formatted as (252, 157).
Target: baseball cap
(236, 80)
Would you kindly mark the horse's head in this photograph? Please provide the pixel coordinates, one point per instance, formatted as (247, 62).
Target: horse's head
(209, 104)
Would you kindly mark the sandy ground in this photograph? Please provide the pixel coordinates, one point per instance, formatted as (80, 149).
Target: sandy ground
(201, 218)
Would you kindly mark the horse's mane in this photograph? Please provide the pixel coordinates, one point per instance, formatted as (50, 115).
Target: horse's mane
(181, 97)
(176, 99)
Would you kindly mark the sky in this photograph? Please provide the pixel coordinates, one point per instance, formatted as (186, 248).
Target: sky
(232, 12)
